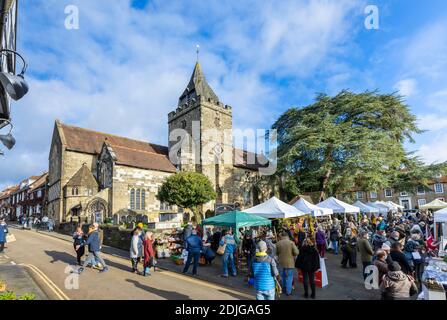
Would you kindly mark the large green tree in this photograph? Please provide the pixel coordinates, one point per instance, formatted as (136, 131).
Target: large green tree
(350, 140)
(187, 190)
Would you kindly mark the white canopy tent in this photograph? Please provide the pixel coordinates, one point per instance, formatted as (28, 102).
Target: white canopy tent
(440, 216)
(391, 207)
(382, 208)
(338, 206)
(314, 210)
(364, 208)
(395, 205)
(275, 208)
(435, 204)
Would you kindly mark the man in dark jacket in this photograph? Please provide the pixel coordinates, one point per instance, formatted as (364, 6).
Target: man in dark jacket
(366, 251)
(398, 256)
(249, 248)
(94, 248)
(193, 246)
(349, 249)
(264, 272)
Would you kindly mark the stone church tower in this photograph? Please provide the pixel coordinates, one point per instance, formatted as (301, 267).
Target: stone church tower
(200, 135)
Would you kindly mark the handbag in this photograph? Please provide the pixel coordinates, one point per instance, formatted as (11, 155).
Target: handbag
(221, 249)
(152, 262)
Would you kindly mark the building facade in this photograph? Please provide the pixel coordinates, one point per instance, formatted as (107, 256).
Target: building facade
(26, 199)
(410, 199)
(95, 176)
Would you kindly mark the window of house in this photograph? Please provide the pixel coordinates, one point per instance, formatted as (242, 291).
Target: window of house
(132, 199)
(373, 194)
(137, 200)
(143, 200)
(420, 190)
(439, 188)
(421, 202)
(404, 194)
(359, 194)
(388, 192)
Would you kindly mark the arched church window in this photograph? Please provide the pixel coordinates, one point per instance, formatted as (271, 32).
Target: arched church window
(143, 200)
(132, 199)
(137, 200)
(183, 124)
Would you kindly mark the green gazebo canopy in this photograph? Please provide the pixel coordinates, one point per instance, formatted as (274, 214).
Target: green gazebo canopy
(236, 220)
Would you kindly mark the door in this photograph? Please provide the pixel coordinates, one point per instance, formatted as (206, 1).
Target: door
(406, 202)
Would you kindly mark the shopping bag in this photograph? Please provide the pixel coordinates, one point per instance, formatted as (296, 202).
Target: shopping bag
(416, 255)
(278, 288)
(221, 249)
(329, 245)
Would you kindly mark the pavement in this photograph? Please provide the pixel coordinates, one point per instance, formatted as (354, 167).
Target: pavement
(20, 279)
(344, 284)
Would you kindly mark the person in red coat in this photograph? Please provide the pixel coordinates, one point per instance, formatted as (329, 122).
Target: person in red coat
(148, 253)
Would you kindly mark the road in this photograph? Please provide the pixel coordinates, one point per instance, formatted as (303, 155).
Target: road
(49, 261)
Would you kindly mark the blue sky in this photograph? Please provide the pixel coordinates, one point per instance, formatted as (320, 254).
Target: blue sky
(122, 71)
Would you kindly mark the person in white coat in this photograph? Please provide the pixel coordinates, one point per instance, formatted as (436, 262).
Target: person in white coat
(136, 250)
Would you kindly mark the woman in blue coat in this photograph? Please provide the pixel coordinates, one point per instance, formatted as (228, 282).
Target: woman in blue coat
(3, 232)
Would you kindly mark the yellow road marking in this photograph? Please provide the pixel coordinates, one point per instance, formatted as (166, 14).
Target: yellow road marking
(58, 292)
(168, 273)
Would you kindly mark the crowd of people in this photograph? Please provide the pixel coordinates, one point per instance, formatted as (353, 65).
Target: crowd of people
(392, 249)
(397, 245)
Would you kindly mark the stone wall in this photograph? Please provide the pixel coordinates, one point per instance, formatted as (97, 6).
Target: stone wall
(126, 178)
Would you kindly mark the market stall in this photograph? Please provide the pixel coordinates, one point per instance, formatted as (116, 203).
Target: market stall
(275, 209)
(338, 206)
(389, 206)
(364, 208)
(440, 217)
(396, 206)
(168, 242)
(434, 280)
(312, 209)
(434, 205)
(382, 208)
(236, 220)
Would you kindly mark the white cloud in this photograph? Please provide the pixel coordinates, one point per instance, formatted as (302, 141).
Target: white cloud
(432, 122)
(406, 87)
(434, 151)
(123, 70)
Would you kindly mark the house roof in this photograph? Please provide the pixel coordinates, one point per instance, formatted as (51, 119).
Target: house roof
(83, 177)
(142, 159)
(8, 191)
(129, 152)
(39, 183)
(199, 85)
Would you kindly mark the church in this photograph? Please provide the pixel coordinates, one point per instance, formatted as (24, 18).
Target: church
(94, 176)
